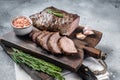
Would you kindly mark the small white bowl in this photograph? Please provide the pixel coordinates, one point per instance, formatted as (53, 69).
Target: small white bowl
(22, 31)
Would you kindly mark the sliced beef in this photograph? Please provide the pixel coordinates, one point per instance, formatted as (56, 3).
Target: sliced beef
(48, 21)
(67, 46)
(34, 36)
(31, 33)
(52, 43)
(43, 40)
(44, 33)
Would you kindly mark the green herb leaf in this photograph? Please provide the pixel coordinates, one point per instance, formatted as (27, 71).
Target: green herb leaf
(55, 13)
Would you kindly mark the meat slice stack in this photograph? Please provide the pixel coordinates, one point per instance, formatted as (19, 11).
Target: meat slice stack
(53, 42)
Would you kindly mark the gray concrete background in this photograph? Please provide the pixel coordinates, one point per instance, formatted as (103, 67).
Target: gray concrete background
(102, 15)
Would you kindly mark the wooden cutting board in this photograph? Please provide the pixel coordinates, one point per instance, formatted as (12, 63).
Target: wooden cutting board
(71, 63)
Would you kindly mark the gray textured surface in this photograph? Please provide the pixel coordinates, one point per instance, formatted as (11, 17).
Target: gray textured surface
(102, 15)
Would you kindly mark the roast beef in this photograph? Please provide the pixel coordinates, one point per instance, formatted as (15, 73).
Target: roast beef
(53, 43)
(44, 40)
(35, 34)
(32, 32)
(67, 46)
(47, 21)
(44, 33)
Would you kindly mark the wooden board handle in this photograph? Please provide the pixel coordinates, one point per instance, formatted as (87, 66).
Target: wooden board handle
(96, 53)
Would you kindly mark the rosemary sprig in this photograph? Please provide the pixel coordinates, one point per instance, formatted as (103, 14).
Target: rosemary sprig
(37, 64)
(55, 13)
